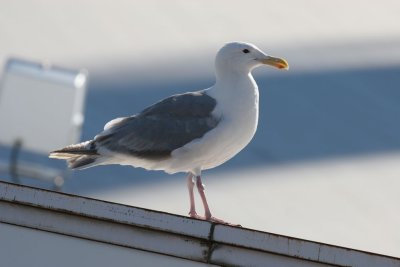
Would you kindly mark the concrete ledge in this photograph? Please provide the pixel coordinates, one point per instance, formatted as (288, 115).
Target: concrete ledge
(168, 234)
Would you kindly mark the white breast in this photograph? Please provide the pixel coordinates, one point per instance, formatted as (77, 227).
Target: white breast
(238, 110)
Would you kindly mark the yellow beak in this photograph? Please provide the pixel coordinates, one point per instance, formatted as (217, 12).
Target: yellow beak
(279, 63)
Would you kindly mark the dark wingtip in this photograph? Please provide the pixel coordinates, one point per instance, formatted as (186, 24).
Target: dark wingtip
(81, 162)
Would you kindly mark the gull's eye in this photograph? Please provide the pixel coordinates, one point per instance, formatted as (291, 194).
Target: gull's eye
(245, 51)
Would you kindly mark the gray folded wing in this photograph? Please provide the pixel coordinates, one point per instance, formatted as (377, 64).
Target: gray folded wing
(163, 127)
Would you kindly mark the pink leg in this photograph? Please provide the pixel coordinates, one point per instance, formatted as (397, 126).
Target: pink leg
(207, 212)
(200, 188)
(190, 185)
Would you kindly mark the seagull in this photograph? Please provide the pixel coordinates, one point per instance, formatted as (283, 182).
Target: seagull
(189, 132)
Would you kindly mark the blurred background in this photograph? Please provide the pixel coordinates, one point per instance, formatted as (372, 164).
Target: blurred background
(325, 162)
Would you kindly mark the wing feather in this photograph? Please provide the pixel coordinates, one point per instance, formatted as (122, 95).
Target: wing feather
(162, 127)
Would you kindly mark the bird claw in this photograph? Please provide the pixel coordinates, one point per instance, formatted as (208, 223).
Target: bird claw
(194, 214)
(211, 219)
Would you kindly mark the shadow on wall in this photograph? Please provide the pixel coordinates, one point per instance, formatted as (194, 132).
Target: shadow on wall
(303, 117)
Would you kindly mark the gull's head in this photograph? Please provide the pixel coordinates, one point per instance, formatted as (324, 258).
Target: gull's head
(244, 57)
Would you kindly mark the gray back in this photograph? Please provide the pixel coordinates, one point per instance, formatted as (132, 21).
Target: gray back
(162, 127)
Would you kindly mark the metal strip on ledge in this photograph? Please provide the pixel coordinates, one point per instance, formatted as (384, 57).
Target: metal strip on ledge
(169, 234)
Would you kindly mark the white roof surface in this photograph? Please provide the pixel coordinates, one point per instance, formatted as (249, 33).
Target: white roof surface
(26, 212)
